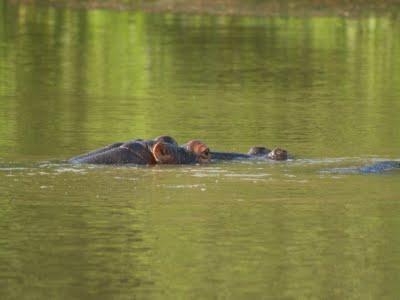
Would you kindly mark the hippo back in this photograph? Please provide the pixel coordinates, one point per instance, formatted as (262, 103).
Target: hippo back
(135, 152)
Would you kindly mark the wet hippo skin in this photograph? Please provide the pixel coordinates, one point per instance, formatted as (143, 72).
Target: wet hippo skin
(136, 152)
(82, 157)
(115, 154)
(258, 151)
(161, 150)
(254, 152)
(165, 153)
(215, 155)
(165, 150)
(278, 154)
(200, 149)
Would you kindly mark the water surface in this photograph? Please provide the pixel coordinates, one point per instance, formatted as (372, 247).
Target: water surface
(326, 89)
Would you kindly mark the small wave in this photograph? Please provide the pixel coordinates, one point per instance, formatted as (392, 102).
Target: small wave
(13, 168)
(202, 187)
(71, 170)
(125, 178)
(247, 175)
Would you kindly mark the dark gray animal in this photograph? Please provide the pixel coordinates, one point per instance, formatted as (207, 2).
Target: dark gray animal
(254, 152)
(165, 150)
(161, 150)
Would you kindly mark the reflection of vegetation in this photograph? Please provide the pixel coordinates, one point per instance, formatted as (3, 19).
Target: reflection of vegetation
(83, 78)
(238, 7)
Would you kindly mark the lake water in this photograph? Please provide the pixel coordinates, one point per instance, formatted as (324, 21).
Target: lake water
(325, 88)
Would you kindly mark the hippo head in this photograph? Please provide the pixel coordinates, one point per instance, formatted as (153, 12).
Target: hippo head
(166, 153)
(258, 151)
(200, 149)
(278, 154)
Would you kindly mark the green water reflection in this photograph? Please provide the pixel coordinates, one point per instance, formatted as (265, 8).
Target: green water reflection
(327, 89)
(73, 80)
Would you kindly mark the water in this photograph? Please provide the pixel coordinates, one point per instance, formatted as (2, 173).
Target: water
(326, 89)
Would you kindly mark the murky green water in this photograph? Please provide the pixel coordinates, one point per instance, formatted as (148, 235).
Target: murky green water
(327, 89)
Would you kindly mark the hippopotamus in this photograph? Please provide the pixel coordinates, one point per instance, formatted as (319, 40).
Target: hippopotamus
(202, 150)
(165, 150)
(161, 150)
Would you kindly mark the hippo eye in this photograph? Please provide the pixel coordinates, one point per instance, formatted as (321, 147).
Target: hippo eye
(205, 154)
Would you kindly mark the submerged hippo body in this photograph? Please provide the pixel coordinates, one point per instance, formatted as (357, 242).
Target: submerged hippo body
(165, 150)
(136, 152)
(257, 152)
(161, 150)
(215, 155)
(83, 157)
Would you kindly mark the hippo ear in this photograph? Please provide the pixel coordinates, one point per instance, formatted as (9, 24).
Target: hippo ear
(200, 149)
(162, 153)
